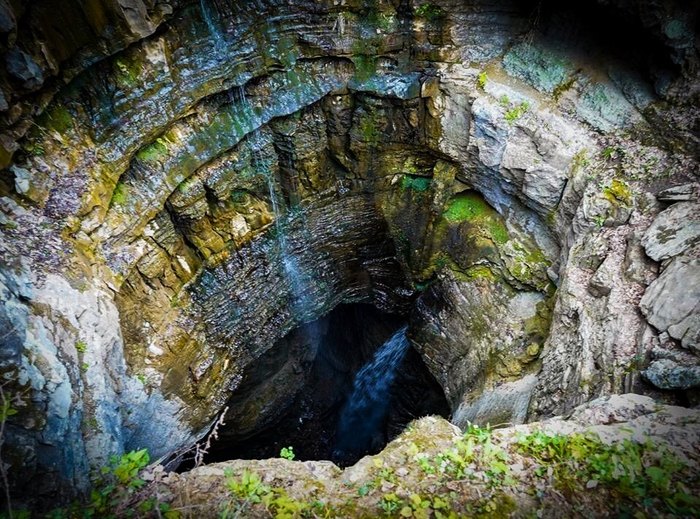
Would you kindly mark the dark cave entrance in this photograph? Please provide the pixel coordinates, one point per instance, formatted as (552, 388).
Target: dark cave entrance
(344, 341)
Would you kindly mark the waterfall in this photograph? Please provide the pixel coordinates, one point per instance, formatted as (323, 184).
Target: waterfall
(290, 264)
(363, 415)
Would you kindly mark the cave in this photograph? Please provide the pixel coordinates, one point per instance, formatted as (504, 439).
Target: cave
(374, 231)
(335, 347)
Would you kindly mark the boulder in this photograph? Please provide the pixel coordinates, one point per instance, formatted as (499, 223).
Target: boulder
(672, 302)
(674, 231)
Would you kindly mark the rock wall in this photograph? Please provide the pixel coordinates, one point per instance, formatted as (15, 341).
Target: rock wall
(195, 180)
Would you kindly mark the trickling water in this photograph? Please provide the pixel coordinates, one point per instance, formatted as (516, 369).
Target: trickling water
(290, 264)
(361, 419)
(211, 20)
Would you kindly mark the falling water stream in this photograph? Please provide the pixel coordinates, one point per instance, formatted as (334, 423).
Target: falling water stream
(289, 262)
(360, 424)
(209, 19)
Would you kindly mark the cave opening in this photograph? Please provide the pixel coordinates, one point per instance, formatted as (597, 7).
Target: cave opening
(329, 417)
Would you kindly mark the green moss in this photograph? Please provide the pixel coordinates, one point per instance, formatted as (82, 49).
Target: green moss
(365, 51)
(618, 192)
(368, 129)
(120, 194)
(470, 206)
(128, 70)
(416, 183)
(537, 326)
(498, 231)
(479, 272)
(466, 206)
(154, 152)
(60, 119)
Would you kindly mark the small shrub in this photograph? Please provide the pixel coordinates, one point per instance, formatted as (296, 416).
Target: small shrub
(81, 346)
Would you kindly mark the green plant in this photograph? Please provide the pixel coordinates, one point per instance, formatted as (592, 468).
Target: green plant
(364, 489)
(390, 503)
(117, 487)
(6, 410)
(609, 152)
(516, 112)
(287, 453)
(646, 475)
(249, 487)
(429, 11)
(250, 490)
(36, 149)
(84, 367)
(481, 80)
(81, 346)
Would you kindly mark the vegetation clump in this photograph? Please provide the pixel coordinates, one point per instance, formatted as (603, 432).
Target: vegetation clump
(516, 112)
(416, 183)
(119, 195)
(369, 130)
(481, 80)
(154, 152)
(430, 11)
(642, 475)
(429, 473)
(618, 192)
(470, 206)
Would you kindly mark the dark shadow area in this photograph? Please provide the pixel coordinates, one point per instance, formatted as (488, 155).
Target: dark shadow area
(345, 340)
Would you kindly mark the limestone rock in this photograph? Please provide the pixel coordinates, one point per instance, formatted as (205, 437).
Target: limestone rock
(505, 404)
(667, 374)
(674, 231)
(672, 302)
(403, 469)
(682, 193)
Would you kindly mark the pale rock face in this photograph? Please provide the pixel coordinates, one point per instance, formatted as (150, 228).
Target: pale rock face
(505, 404)
(674, 231)
(672, 302)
